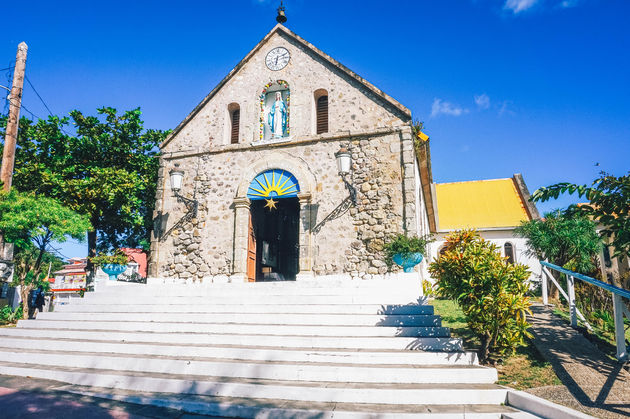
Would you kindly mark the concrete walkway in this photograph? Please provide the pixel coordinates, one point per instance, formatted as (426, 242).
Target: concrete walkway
(593, 383)
(25, 397)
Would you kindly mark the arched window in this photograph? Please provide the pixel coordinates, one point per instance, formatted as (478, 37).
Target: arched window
(235, 122)
(508, 248)
(321, 111)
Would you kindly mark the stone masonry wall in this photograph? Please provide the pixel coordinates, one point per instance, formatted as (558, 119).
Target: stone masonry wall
(351, 243)
(352, 107)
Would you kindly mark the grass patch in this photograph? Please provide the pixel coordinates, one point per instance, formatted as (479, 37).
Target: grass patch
(525, 369)
(453, 318)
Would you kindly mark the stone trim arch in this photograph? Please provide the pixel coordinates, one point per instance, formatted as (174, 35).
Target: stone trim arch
(298, 168)
(278, 160)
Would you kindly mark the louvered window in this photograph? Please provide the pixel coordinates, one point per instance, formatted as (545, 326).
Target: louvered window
(236, 119)
(322, 114)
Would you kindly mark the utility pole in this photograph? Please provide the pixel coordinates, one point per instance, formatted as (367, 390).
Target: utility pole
(15, 98)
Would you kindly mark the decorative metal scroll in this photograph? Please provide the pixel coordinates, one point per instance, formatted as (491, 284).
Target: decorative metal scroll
(334, 214)
(191, 206)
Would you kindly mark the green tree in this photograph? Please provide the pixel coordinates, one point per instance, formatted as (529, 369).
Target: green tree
(570, 241)
(609, 206)
(490, 291)
(108, 170)
(32, 223)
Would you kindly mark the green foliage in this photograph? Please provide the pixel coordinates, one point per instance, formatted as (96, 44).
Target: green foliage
(108, 170)
(405, 246)
(490, 291)
(25, 259)
(10, 316)
(32, 222)
(609, 206)
(570, 241)
(605, 320)
(427, 288)
(116, 258)
(26, 218)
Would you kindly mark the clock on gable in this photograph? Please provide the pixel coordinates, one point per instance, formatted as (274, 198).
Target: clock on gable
(277, 58)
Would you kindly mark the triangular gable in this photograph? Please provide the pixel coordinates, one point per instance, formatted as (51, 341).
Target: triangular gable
(403, 112)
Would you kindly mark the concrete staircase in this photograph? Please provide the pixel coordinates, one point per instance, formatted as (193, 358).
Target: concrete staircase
(319, 348)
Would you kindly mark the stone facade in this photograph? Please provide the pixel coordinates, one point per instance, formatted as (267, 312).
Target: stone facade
(334, 237)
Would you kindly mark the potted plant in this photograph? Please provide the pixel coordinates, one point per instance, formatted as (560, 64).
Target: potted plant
(406, 251)
(113, 265)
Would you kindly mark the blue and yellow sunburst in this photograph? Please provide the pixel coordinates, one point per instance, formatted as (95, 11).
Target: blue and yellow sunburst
(274, 183)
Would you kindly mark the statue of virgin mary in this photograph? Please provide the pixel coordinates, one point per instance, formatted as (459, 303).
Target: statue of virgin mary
(277, 117)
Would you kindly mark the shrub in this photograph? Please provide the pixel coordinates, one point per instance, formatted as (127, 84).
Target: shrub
(10, 316)
(427, 288)
(116, 258)
(490, 291)
(405, 246)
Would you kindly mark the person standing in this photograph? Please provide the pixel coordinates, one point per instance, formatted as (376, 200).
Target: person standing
(36, 300)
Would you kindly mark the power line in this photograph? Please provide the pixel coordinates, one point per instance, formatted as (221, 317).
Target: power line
(44, 103)
(50, 247)
(8, 68)
(38, 95)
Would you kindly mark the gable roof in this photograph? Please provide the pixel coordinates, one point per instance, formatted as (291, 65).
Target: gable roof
(483, 204)
(279, 28)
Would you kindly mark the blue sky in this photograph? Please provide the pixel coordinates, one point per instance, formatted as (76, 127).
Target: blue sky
(540, 87)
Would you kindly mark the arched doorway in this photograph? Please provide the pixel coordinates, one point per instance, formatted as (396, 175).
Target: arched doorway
(273, 236)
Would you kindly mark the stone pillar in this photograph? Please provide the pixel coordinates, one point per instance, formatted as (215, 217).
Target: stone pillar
(409, 182)
(304, 238)
(158, 217)
(241, 230)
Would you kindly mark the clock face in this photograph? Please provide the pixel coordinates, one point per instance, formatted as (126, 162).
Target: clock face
(277, 58)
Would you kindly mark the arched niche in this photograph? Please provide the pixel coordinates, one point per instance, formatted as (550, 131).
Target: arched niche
(275, 111)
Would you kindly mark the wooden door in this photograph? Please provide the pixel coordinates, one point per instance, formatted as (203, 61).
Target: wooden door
(251, 252)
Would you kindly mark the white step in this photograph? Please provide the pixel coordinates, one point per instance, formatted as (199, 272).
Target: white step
(263, 409)
(369, 343)
(249, 308)
(255, 290)
(286, 286)
(417, 394)
(254, 318)
(241, 329)
(261, 370)
(332, 356)
(129, 298)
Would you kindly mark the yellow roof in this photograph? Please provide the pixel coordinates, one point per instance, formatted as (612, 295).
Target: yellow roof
(490, 203)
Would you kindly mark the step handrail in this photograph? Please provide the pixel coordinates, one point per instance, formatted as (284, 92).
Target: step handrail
(616, 290)
(619, 308)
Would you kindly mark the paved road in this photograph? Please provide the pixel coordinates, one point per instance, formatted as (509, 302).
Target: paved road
(23, 397)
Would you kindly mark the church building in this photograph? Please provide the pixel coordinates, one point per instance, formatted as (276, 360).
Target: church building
(295, 167)
(292, 167)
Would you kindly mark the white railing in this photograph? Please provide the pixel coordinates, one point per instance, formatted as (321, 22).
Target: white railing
(618, 294)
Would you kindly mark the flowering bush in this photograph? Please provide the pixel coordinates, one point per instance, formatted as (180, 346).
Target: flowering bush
(490, 291)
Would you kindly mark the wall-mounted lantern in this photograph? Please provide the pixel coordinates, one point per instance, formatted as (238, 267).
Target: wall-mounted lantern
(177, 176)
(344, 166)
(192, 205)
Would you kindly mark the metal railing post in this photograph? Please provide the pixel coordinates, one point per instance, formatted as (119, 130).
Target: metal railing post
(620, 338)
(572, 307)
(543, 285)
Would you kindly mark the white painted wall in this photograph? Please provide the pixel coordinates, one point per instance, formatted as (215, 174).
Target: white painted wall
(499, 237)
